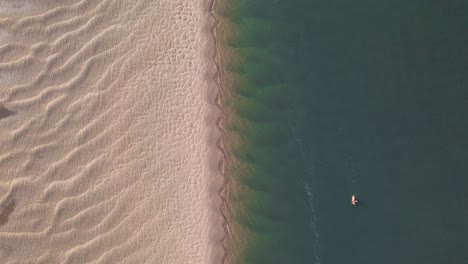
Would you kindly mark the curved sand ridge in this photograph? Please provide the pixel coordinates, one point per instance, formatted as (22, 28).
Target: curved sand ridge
(108, 153)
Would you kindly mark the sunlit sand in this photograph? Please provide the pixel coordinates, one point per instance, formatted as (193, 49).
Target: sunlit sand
(108, 132)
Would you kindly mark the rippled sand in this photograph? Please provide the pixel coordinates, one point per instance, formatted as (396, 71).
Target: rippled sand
(107, 132)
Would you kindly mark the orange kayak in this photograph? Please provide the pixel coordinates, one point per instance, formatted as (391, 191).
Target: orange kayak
(354, 201)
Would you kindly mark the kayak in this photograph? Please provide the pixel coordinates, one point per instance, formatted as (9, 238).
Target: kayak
(354, 201)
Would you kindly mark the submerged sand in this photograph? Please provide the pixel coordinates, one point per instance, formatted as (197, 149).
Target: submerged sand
(110, 155)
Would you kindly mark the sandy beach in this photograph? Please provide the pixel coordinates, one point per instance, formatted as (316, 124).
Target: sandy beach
(108, 132)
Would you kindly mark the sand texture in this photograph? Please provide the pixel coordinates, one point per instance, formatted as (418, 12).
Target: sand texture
(108, 132)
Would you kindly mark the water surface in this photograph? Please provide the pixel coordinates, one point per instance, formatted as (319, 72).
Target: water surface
(346, 97)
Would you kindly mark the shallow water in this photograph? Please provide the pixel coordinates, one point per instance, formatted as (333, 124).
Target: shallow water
(340, 98)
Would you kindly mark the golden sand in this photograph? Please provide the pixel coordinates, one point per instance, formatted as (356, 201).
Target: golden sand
(110, 155)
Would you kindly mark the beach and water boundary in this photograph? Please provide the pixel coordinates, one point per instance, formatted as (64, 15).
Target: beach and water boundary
(233, 131)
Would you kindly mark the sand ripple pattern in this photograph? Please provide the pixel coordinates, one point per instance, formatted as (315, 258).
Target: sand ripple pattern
(107, 132)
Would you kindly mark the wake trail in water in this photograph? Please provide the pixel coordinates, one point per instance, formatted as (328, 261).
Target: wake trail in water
(314, 222)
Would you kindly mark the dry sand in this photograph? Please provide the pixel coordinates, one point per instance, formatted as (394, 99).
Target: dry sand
(110, 154)
(4, 113)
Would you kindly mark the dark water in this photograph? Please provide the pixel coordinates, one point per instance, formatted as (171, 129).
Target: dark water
(342, 97)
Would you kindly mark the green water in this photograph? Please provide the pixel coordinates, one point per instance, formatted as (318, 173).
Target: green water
(342, 97)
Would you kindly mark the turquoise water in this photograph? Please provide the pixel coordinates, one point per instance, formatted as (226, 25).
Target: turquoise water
(352, 97)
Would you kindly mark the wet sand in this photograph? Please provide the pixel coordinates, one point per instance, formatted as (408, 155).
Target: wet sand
(112, 154)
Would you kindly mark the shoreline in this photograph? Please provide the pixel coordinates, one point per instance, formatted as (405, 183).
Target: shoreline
(221, 30)
(219, 126)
